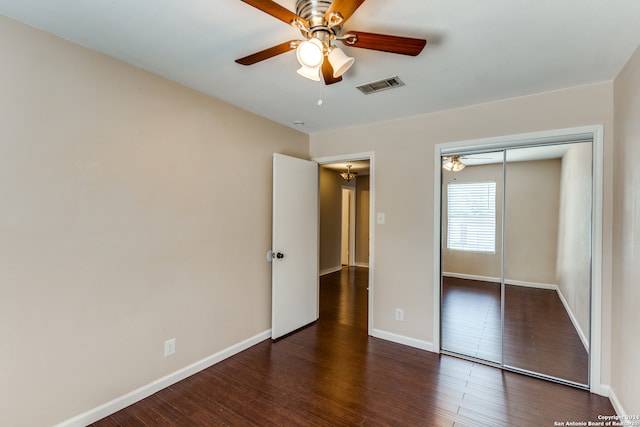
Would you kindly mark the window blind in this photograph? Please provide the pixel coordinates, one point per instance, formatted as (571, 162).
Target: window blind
(471, 224)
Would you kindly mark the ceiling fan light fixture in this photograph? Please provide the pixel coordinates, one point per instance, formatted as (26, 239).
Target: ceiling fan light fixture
(310, 53)
(452, 164)
(339, 61)
(310, 73)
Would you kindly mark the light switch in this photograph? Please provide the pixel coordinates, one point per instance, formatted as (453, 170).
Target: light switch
(380, 218)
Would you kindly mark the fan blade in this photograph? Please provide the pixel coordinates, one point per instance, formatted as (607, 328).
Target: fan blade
(266, 54)
(344, 7)
(327, 73)
(275, 10)
(392, 44)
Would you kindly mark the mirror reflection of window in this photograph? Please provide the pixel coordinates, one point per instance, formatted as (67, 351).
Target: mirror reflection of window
(471, 224)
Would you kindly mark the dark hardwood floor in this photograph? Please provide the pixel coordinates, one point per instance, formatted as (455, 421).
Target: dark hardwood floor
(333, 374)
(471, 319)
(540, 336)
(538, 333)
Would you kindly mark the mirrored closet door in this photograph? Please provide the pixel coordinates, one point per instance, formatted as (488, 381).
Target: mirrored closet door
(547, 260)
(516, 258)
(471, 290)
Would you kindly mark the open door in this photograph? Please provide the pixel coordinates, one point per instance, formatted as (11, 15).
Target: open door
(294, 247)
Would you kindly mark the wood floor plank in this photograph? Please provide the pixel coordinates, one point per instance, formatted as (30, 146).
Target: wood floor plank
(538, 333)
(333, 374)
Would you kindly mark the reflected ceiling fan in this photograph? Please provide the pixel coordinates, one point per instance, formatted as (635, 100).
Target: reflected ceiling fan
(452, 163)
(455, 163)
(320, 22)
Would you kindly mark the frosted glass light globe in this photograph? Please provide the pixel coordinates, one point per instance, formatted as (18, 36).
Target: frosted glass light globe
(310, 53)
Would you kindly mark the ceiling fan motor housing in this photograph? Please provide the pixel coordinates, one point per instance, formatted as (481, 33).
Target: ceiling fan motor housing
(313, 11)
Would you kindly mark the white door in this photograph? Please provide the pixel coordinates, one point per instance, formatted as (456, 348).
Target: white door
(294, 278)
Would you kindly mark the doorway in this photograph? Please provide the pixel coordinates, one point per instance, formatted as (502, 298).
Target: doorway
(361, 230)
(509, 272)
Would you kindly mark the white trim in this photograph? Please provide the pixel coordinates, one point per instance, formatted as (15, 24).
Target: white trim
(536, 285)
(497, 280)
(576, 325)
(369, 155)
(596, 262)
(437, 244)
(471, 277)
(617, 406)
(518, 140)
(605, 391)
(544, 137)
(330, 270)
(401, 339)
(134, 396)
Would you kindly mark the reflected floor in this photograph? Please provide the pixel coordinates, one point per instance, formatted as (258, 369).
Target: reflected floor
(471, 318)
(539, 335)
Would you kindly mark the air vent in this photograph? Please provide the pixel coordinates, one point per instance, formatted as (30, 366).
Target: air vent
(377, 86)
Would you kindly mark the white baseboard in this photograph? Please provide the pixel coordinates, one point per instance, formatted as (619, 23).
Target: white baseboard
(617, 406)
(330, 270)
(497, 280)
(401, 339)
(536, 285)
(122, 402)
(362, 264)
(576, 325)
(472, 277)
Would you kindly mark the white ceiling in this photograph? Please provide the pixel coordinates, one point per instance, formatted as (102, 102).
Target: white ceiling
(477, 51)
(525, 154)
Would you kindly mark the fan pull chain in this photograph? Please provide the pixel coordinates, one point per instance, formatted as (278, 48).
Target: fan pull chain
(320, 101)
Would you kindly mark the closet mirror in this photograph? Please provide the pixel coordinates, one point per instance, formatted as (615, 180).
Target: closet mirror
(516, 258)
(471, 291)
(547, 260)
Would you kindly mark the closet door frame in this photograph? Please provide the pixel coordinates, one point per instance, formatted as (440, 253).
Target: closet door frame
(595, 133)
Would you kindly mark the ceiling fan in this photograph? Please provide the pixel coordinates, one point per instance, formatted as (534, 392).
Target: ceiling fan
(452, 163)
(455, 163)
(320, 22)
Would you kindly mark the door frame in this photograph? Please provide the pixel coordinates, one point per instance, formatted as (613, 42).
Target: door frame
(528, 139)
(370, 156)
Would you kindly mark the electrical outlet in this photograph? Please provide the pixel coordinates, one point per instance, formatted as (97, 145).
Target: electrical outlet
(169, 347)
(399, 314)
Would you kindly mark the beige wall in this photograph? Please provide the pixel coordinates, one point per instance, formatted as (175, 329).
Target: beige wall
(404, 156)
(362, 220)
(573, 272)
(531, 228)
(626, 291)
(486, 265)
(133, 210)
(330, 219)
(532, 195)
